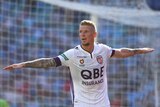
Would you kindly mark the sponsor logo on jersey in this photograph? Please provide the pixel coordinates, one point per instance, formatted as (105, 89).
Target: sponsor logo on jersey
(81, 61)
(99, 59)
(64, 56)
(88, 83)
(81, 56)
(92, 74)
(92, 77)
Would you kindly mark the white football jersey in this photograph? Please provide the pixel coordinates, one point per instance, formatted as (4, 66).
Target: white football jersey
(88, 74)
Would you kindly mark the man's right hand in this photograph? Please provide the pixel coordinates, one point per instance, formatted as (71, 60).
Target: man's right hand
(13, 66)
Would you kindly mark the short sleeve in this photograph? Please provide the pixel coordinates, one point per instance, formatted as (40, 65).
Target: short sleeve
(66, 57)
(109, 51)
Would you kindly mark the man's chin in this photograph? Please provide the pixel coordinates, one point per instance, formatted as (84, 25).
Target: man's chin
(85, 44)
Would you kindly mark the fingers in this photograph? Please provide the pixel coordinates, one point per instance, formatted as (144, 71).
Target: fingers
(14, 66)
(149, 49)
(8, 68)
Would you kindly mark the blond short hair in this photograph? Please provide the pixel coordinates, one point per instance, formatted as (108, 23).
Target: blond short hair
(90, 23)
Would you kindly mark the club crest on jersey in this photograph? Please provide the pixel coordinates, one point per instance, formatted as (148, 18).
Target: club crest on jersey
(100, 59)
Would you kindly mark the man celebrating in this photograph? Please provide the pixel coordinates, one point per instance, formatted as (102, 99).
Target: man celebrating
(87, 63)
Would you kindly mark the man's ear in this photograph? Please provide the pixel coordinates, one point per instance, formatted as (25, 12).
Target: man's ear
(95, 34)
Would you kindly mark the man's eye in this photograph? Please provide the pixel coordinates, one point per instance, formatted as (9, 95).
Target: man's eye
(86, 31)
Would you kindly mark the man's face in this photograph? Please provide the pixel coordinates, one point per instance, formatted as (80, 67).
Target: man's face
(87, 35)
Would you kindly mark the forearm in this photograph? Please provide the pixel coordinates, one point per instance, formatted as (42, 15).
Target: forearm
(40, 63)
(127, 52)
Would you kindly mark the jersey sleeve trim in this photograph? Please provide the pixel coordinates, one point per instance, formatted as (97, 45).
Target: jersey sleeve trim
(113, 52)
(57, 61)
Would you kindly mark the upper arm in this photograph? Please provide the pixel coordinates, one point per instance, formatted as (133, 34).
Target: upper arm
(57, 61)
(112, 52)
(66, 57)
(116, 53)
(123, 53)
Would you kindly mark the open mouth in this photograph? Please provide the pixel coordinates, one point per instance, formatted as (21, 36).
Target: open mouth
(83, 38)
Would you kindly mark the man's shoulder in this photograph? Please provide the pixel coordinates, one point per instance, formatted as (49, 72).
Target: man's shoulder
(71, 50)
(101, 45)
(70, 53)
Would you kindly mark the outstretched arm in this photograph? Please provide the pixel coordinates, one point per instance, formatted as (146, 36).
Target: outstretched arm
(127, 52)
(38, 63)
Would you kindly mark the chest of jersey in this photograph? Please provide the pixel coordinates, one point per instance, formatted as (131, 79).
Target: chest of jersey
(87, 60)
(89, 66)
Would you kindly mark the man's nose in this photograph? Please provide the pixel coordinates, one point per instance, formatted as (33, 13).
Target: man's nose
(82, 34)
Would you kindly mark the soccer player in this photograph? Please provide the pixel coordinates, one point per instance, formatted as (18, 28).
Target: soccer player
(87, 63)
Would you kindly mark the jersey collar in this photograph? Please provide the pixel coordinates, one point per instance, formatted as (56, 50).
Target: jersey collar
(80, 47)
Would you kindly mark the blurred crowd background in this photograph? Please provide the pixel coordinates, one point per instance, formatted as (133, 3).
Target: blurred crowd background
(32, 29)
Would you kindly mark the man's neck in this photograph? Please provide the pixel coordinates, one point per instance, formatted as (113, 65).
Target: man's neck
(88, 48)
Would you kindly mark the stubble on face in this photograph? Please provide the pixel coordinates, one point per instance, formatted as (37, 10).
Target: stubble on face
(87, 44)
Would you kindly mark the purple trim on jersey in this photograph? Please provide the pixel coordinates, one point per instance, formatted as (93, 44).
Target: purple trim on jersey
(113, 52)
(58, 61)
